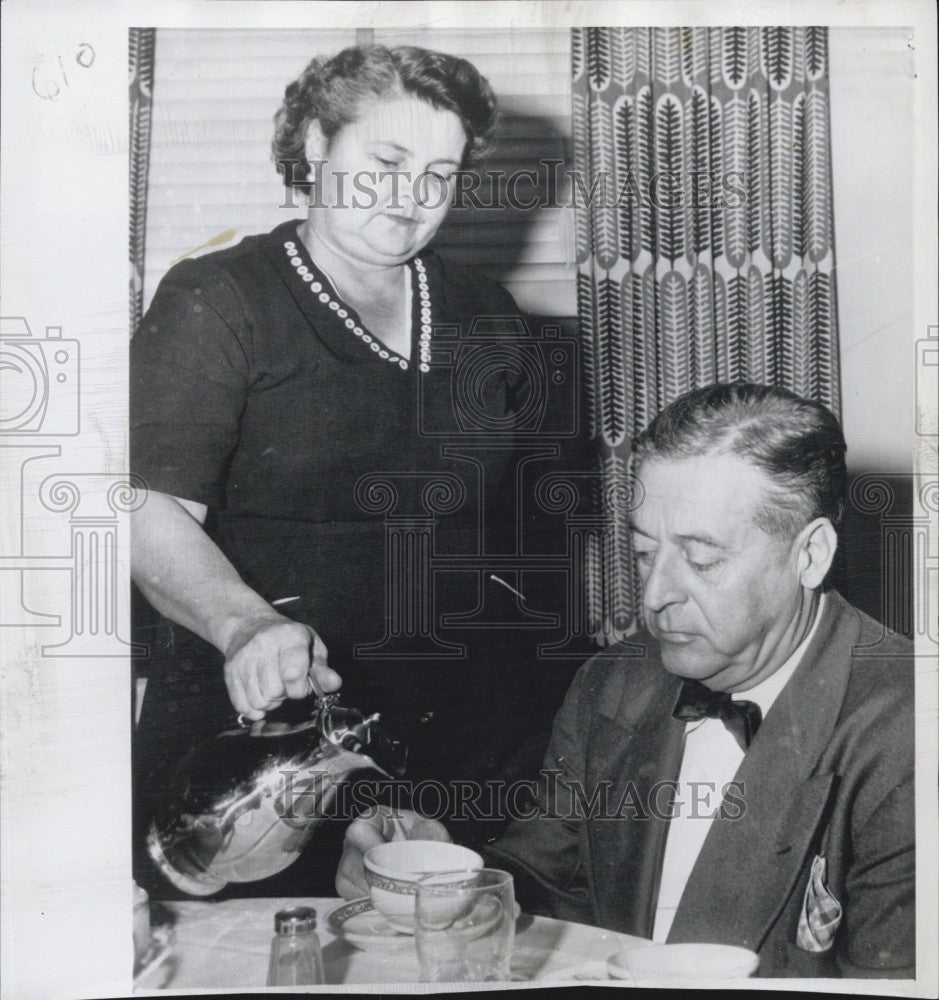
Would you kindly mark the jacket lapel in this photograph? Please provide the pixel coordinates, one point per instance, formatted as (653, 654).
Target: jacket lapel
(633, 746)
(748, 866)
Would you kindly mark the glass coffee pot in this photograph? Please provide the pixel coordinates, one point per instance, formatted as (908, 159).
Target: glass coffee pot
(242, 806)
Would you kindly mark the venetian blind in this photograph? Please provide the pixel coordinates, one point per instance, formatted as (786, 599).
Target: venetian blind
(212, 180)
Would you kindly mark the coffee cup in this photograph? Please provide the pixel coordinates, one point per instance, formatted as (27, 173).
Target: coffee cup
(392, 871)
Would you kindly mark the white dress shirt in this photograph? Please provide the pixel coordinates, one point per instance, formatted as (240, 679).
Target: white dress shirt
(710, 760)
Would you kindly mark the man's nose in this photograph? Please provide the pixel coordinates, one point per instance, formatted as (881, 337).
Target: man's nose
(663, 585)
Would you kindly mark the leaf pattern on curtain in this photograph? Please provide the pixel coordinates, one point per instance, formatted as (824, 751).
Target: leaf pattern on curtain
(619, 584)
(705, 249)
(141, 50)
(609, 361)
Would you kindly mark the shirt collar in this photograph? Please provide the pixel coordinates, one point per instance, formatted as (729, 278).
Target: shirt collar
(766, 692)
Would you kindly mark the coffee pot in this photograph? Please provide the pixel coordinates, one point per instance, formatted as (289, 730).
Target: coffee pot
(243, 805)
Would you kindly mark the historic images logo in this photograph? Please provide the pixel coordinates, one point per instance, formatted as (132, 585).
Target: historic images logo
(40, 380)
(541, 368)
(40, 402)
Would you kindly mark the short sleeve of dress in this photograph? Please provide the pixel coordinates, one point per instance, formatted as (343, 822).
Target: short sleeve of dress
(189, 374)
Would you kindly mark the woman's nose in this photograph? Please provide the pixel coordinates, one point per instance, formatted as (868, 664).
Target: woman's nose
(394, 189)
(404, 189)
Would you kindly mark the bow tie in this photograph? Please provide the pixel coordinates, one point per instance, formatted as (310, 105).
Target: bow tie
(697, 701)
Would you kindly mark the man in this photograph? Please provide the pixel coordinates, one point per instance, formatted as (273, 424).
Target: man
(779, 817)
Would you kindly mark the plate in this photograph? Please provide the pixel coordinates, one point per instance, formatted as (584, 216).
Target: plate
(359, 923)
(150, 973)
(688, 961)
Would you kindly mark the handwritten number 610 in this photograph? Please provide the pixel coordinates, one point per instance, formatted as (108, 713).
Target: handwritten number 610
(48, 88)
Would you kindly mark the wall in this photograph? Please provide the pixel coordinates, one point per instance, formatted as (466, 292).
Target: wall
(872, 152)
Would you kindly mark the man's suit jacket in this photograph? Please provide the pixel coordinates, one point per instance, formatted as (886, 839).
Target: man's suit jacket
(829, 773)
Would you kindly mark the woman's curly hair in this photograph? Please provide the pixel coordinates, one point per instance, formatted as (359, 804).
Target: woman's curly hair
(331, 90)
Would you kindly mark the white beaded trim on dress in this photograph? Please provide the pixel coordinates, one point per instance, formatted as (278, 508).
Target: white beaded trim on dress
(317, 289)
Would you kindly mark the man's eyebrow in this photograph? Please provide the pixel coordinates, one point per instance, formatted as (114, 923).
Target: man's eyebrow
(704, 540)
(700, 539)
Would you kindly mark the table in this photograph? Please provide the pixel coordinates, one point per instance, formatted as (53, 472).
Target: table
(226, 945)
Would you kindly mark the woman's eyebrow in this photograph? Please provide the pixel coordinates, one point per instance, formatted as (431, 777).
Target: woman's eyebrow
(391, 144)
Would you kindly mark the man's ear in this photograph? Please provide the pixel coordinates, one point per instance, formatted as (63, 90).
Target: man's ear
(314, 146)
(816, 546)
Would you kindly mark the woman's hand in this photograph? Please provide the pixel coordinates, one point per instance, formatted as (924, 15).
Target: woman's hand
(376, 828)
(186, 577)
(270, 658)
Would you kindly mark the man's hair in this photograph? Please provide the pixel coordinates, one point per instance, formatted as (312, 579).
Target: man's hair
(797, 443)
(332, 91)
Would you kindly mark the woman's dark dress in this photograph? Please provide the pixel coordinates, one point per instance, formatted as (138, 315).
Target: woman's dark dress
(250, 395)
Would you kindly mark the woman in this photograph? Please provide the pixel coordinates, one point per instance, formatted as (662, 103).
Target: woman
(270, 381)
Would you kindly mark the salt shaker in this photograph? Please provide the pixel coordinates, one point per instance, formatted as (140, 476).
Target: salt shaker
(296, 959)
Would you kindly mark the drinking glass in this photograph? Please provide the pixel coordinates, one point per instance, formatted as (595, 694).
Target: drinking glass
(465, 926)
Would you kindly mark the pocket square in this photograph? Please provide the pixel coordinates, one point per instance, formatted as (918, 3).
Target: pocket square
(821, 912)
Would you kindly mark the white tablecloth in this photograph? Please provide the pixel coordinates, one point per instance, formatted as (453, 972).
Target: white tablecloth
(226, 945)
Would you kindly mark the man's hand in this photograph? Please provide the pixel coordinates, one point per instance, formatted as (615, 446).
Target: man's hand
(271, 658)
(378, 828)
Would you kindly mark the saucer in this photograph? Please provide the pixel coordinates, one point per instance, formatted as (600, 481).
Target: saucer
(359, 923)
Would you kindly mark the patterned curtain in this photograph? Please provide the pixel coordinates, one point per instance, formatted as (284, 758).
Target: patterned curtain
(141, 45)
(704, 236)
